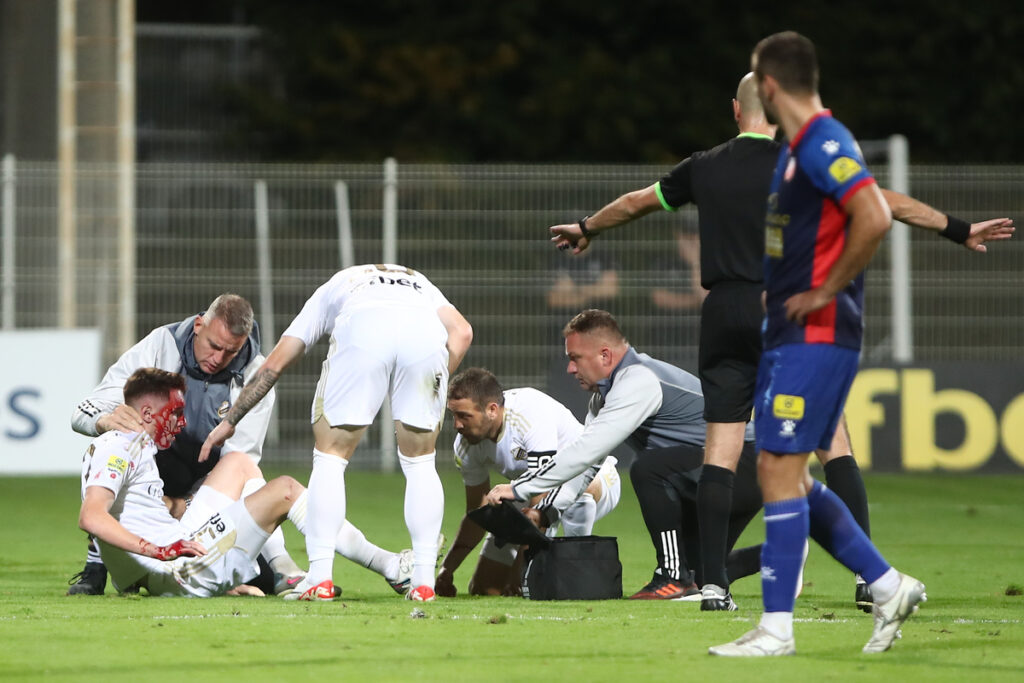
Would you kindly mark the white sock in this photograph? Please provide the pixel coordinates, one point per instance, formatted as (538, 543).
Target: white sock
(779, 624)
(297, 512)
(883, 588)
(325, 504)
(424, 510)
(93, 554)
(350, 543)
(578, 519)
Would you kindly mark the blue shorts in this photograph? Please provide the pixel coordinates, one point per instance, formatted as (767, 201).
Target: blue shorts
(800, 394)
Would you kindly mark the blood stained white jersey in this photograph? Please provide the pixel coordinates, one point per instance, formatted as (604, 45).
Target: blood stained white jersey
(125, 464)
(534, 429)
(380, 286)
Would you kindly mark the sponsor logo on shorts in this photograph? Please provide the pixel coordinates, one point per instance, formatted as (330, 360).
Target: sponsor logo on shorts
(786, 407)
(788, 429)
(843, 168)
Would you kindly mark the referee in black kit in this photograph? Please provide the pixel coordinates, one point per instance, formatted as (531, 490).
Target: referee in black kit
(729, 184)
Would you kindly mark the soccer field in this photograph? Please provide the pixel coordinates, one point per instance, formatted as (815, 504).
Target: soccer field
(962, 535)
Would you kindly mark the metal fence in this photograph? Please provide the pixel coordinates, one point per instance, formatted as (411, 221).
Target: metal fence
(479, 232)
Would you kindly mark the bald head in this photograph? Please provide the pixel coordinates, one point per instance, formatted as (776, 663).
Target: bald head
(747, 109)
(746, 95)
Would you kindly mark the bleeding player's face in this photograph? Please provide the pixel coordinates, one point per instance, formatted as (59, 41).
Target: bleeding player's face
(214, 345)
(472, 422)
(169, 419)
(589, 359)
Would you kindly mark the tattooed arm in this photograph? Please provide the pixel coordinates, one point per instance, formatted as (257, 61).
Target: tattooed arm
(251, 394)
(284, 354)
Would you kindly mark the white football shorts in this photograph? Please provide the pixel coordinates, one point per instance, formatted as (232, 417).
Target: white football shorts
(379, 352)
(204, 504)
(232, 539)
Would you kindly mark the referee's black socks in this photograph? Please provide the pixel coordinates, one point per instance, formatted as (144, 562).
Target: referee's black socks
(714, 504)
(842, 475)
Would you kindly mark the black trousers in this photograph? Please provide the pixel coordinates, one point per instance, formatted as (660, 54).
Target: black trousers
(665, 481)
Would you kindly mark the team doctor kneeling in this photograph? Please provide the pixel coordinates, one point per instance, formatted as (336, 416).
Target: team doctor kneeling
(658, 410)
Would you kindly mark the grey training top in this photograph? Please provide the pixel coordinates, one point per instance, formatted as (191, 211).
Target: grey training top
(645, 402)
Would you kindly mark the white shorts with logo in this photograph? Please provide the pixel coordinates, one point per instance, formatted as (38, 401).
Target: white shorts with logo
(611, 491)
(379, 352)
(232, 539)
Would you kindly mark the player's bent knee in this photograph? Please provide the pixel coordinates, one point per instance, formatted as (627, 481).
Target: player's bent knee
(286, 487)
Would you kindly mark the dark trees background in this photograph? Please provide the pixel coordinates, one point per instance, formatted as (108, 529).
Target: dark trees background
(637, 81)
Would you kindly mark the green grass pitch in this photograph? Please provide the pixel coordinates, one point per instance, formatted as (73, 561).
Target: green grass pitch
(962, 535)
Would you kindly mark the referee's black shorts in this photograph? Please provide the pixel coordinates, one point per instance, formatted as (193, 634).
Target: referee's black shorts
(730, 348)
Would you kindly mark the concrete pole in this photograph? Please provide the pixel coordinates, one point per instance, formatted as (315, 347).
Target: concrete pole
(902, 322)
(126, 172)
(66, 162)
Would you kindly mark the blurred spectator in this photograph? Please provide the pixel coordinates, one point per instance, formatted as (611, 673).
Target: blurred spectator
(680, 288)
(583, 281)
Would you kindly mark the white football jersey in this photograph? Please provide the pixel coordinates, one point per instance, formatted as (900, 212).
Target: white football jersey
(534, 429)
(125, 464)
(380, 286)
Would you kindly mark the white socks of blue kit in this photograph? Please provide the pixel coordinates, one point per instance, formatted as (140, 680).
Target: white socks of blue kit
(424, 510)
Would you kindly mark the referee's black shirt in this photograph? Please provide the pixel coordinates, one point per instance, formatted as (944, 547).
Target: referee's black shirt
(729, 184)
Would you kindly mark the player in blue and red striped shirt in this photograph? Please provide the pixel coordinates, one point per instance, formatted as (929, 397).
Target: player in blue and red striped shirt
(825, 219)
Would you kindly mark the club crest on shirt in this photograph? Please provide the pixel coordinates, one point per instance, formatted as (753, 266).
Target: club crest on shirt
(843, 168)
(519, 454)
